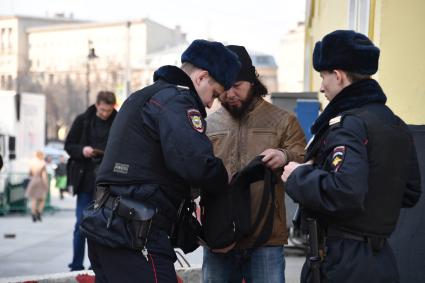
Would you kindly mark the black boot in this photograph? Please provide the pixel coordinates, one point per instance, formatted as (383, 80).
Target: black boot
(34, 217)
(38, 216)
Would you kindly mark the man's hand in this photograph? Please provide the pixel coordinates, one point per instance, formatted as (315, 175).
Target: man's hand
(88, 151)
(274, 158)
(291, 166)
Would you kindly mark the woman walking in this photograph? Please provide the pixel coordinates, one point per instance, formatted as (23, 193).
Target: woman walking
(38, 186)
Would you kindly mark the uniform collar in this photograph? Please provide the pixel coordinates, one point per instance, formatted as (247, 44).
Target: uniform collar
(177, 76)
(353, 96)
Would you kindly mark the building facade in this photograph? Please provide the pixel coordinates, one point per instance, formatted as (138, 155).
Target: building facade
(98, 55)
(70, 61)
(291, 60)
(396, 27)
(14, 46)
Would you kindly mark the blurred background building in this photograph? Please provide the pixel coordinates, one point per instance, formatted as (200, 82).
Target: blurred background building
(397, 27)
(290, 60)
(70, 61)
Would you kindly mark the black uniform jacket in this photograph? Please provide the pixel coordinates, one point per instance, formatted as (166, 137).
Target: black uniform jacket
(336, 186)
(162, 143)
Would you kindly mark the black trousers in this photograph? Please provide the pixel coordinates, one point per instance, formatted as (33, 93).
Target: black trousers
(352, 261)
(129, 266)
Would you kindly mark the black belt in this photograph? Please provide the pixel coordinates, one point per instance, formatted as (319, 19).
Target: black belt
(333, 232)
(376, 242)
(158, 220)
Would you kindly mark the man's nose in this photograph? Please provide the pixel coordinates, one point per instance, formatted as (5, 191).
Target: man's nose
(230, 93)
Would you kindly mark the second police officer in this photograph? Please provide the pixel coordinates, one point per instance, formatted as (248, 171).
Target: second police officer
(362, 168)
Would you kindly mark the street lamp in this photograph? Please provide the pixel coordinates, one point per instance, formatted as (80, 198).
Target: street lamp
(92, 55)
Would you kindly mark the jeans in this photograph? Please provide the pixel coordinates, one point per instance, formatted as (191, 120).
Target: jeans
(261, 265)
(79, 242)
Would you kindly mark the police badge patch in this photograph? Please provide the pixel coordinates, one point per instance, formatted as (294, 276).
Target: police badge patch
(338, 157)
(195, 120)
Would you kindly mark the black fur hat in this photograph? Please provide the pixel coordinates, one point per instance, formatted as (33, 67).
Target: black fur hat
(222, 64)
(346, 50)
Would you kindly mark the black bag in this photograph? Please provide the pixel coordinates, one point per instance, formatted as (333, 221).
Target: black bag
(186, 230)
(118, 222)
(226, 218)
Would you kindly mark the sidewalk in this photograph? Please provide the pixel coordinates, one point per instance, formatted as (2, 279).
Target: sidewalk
(28, 248)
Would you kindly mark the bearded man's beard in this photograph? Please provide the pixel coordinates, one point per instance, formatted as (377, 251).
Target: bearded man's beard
(239, 111)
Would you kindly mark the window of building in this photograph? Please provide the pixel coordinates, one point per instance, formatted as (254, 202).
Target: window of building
(2, 38)
(9, 38)
(9, 85)
(51, 78)
(3, 82)
(358, 15)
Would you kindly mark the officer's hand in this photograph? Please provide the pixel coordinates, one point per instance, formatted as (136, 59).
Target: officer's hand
(88, 151)
(290, 167)
(224, 250)
(274, 158)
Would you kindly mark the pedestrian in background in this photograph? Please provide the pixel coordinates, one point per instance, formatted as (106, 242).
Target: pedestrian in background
(38, 187)
(85, 144)
(60, 176)
(246, 126)
(362, 168)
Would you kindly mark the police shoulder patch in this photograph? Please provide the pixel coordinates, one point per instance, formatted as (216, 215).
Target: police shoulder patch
(338, 157)
(195, 119)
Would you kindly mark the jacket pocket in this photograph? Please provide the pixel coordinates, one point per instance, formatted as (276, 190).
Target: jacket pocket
(260, 139)
(219, 141)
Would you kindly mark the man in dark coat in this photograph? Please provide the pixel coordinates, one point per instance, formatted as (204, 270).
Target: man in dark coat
(156, 153)
(85, 144)
(361, 168)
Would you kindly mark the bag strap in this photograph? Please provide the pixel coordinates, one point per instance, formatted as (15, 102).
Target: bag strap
(269, 190)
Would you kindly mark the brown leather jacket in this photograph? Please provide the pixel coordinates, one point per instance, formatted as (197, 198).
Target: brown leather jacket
(237, 142)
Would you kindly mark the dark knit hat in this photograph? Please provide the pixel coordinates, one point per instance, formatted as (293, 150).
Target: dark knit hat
(346, 50)
(247, 72)
(222, 64)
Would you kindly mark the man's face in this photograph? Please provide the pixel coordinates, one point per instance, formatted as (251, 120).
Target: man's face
(330, 86)
(238, 98)
(104, 110)
(208, 90)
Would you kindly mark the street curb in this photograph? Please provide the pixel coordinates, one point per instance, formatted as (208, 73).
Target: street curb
(83, 276)
(192, 275)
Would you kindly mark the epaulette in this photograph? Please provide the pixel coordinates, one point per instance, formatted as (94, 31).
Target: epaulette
(335, 121)
(182, 87)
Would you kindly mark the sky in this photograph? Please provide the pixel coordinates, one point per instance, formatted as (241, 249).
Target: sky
(259, 25)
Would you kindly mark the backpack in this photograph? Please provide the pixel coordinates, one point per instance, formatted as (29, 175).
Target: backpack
(226, 218)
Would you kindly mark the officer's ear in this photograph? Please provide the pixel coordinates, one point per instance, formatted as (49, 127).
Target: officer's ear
(341, 77)
(201, 75)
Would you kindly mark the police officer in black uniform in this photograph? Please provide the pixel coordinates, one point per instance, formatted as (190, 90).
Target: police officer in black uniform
(361, 168)
(157, 150)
